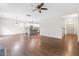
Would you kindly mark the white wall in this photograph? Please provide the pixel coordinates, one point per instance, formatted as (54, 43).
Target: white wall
(9, 26)
(52, 26)
(78, 28)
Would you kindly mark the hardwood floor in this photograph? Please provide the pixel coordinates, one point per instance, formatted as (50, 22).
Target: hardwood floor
(24, 45)
(71, 37)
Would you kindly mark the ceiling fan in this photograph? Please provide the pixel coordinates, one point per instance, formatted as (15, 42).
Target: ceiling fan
(40, 7)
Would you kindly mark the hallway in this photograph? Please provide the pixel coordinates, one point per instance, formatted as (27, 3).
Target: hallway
(71, 37)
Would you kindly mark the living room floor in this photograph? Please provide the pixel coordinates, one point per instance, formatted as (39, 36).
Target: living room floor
(36, 45)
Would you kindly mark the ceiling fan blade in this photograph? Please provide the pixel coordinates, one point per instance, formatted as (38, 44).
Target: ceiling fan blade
(34, 10)
(28, 15)
(39, 11)
(44, 9)
(39, 6)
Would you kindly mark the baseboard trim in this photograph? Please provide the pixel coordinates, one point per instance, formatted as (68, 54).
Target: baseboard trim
(49, 37)
(14, 34)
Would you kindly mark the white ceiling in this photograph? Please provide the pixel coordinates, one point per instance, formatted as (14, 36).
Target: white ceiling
(20, 10)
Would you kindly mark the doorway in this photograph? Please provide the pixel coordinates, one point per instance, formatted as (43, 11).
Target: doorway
(71, 27)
